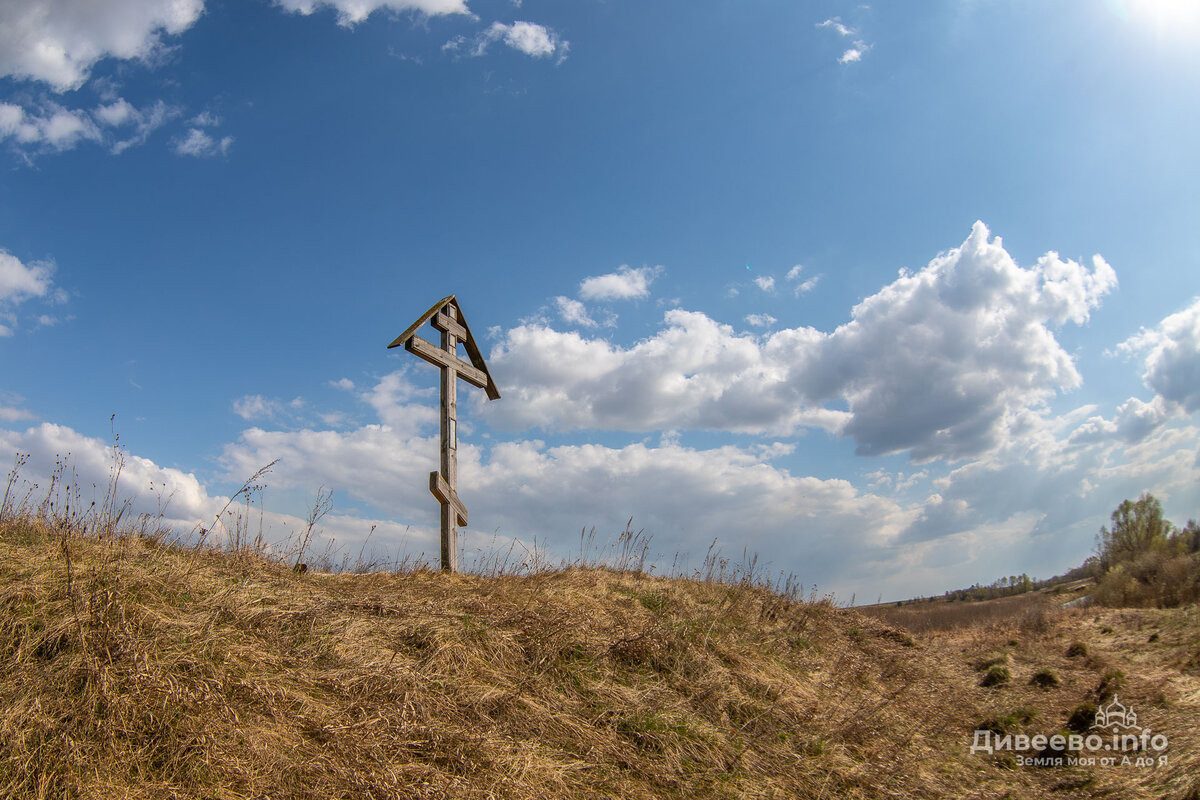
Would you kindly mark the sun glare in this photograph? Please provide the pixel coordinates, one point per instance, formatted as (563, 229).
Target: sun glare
(1172, 19)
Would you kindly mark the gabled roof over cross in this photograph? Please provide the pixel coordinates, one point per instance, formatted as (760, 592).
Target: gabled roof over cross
(476, 372)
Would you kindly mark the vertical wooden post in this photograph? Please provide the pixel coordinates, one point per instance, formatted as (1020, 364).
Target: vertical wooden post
(447, 318)
(449, 445)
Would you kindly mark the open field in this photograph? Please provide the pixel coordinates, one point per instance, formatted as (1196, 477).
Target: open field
(132, 668)
(935, 613)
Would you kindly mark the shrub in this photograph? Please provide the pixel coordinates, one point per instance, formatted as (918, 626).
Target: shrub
(1082, 717)
(1044, 678)
(1037, 620)
(996, 675)
(1112, 682)
(1153, 579)
(996, 657)
(1188, 539)
(1010, 722)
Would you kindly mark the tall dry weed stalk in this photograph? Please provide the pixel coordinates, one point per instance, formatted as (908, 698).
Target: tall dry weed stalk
(321, 506)
(113, 508)
(6, 505)
(250, 486)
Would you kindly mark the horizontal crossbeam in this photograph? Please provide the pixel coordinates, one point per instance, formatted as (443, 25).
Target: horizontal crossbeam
(440, 358)
(444, 323)
(442, 491)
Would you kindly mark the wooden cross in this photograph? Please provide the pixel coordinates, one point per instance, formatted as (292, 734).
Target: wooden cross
(446, 317)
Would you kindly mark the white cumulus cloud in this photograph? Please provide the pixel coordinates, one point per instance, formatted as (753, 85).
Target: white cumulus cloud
(802, 287)
(1172, 357)
(1061, 488)
(624, 284)
(853, 54)
(351, 12)
(694, 373)
(115, 113)
(254, 406)
(836, 24)
(1135, 420)
(574, 312)
(200, 144)
(132, 126)
(10, 414)
(59, 41)
(52, 127)
(940, 363)
(91, 459)
(20, 283)
(530, 38)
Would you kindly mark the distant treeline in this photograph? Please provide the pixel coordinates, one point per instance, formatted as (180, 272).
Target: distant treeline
(1001, 587)
(1142, 560)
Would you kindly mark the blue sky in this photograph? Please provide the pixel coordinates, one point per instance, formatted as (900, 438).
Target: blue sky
(899, 297)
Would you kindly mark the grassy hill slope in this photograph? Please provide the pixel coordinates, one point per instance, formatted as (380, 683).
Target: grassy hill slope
(130, 668)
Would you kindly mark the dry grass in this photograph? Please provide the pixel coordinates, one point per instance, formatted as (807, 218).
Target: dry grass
(1150, 657)
(134, 668)
(938, 614)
